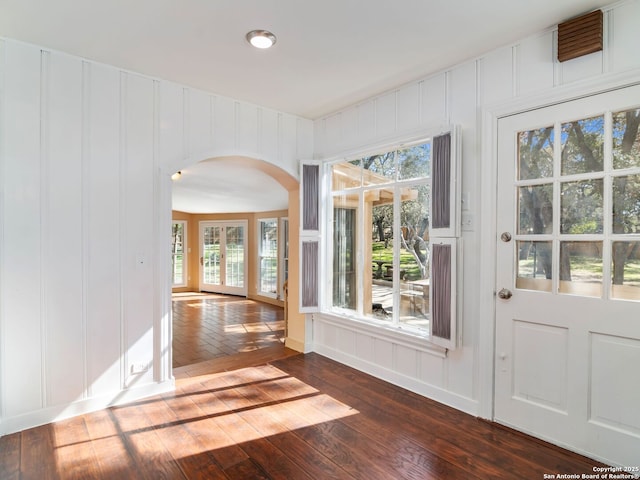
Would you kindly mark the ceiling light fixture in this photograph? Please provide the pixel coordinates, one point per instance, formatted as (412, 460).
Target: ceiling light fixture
(176, 175)
(261, 38)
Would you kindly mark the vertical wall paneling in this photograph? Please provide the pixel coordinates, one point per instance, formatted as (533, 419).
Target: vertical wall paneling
(44, 215)
(269, 134)
(536, 63)
(139, 221)
(84, 152)
(124, 227)
(367, 121)
(171, 126)
(386, 118)
(580, 68)
(625, 35)
(333, 131)
(496, 76)
(408, 109)
(62, 219)
(289, 148)
(104, 286)
(186, 123)
(84, 213)
(2, 203)
(198, 118)
(350, 128)
(434, 101)
(21, 307)
(224, 129)
(236, 124)
(248, 133)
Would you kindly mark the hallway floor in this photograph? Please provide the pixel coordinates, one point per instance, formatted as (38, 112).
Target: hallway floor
(208, 326)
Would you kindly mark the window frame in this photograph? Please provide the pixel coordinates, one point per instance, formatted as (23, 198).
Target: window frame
(185, 262)
(261, 256)
(451, 234)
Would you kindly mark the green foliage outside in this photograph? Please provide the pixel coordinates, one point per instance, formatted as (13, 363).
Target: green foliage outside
(407, 261)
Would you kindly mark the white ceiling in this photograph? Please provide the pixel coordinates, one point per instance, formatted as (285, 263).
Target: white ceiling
(227, 186)
(329, 53)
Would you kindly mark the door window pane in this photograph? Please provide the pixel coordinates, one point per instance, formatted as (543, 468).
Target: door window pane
(626, 204)
(625, 270)
(582, 146)
(211, 256)
(269, 256)
(534, 265)
(581, 207)
(581, 268)
(535, 207)
(234, 249)
(626, 139)
(535, 153)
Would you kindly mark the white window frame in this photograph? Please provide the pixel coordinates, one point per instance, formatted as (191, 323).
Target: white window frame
(449, 236)
(261, 256)
(185, 250)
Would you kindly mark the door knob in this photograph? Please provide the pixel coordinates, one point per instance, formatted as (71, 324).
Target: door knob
(505, 294)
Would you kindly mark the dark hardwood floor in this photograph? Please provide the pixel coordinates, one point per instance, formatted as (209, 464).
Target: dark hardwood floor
(297, 417)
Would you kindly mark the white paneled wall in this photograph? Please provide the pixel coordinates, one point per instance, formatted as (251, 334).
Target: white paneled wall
(86, 151)
(458, 96)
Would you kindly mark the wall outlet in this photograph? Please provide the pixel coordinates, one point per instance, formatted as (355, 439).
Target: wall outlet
(138, 367)
(467, 222)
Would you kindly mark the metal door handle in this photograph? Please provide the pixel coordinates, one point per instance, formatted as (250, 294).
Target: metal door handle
(505, 294)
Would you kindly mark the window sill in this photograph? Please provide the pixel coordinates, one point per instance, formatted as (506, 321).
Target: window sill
(397, 335)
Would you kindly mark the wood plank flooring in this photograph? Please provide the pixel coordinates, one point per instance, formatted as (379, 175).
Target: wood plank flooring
(297, 417)
(208, 326)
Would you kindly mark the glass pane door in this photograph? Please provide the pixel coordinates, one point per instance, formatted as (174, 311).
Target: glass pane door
(223, 257)
(211, 255)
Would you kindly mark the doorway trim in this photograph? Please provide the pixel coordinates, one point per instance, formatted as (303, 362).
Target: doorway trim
(488, 206)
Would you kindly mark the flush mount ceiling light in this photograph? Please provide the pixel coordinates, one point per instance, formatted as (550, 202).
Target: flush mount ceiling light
(261, 38)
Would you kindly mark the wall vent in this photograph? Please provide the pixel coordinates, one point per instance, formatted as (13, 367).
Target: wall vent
(580, 36)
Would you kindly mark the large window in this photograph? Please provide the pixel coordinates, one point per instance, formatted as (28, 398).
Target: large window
(381, 209)
(178, 260)
(268, 256)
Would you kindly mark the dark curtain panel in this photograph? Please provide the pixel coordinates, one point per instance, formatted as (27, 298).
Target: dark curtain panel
(310, 274)
(310, 196)
(441, 290)
(441, 182)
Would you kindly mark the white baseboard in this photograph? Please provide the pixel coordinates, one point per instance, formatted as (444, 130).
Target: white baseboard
(445, 397)
(61, 412)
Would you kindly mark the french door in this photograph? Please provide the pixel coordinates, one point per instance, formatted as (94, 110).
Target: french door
(568, 275)
(223, 257)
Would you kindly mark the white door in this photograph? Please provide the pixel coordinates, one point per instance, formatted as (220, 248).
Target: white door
(568, 275)
(223, 257)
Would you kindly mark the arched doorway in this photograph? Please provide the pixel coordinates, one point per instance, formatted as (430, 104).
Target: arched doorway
(229, 207)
